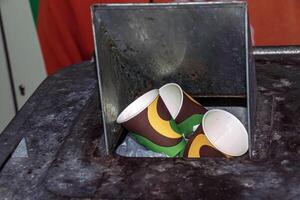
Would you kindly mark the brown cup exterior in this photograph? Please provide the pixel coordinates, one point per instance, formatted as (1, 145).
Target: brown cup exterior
(199, 146)
(189, 107)
(140, 124)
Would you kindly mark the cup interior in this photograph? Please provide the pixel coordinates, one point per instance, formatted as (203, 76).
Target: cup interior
(172, 96)
(137, 106)
(225, 132)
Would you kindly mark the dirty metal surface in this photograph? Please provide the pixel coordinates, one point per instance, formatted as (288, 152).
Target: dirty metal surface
(202, 46)
(63, 125)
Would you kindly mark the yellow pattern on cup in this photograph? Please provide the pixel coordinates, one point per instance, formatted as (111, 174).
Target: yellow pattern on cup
(161, 126)
(199, 141)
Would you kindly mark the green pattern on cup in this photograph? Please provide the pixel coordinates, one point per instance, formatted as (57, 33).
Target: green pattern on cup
(181, 153)
(170, 151)
(186, 127)
(174, 126)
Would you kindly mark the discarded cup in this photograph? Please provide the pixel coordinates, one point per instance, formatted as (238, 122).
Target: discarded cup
(152, 124)
(225, 132)
(186, 111)
(221, 134)
(199, 146)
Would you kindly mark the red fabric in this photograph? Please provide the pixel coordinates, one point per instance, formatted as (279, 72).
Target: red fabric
(275, 22)
(65, 31)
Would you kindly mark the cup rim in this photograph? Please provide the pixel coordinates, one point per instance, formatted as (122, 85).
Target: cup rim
(181, 98)
(145, 100)
(220, 148)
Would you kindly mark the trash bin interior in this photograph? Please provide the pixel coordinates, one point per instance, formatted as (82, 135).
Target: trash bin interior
(128, 147)
(204, 47)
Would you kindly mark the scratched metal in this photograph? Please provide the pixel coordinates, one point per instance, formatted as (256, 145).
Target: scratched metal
(204, 47)
(277, 50)
(63, 135)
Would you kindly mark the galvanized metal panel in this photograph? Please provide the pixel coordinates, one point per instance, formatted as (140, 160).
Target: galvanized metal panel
(201, 46)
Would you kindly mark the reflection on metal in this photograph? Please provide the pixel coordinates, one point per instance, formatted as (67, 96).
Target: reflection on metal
(201, 46)
(276, 51)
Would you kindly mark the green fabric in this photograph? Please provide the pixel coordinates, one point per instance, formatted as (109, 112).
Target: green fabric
(170, 151)
(34, 9)
(186, 127)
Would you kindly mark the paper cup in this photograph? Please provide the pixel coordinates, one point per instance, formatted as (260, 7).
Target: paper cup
(199, 146)
(186, 111)
(152, 124)
(225, 132)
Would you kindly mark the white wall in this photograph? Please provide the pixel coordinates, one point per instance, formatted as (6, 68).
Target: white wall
(7, 110)
(25, 56)
(27, 65)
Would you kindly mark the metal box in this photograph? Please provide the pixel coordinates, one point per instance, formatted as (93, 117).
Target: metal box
(202, 46)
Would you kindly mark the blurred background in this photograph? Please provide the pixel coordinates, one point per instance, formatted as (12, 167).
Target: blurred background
(40, 37)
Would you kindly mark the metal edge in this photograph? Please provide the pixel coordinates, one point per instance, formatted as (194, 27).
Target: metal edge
(156, 5)
(276, 50)
(248, 80)
(92, 9)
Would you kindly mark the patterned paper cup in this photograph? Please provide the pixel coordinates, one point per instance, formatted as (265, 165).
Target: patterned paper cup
(199, 146)
(221, 134)
(225, 132)
(152, 125)
(186, 111)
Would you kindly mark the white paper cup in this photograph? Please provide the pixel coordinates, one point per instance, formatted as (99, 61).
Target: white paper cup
(225, 132)
(151, 124)
(172, 96)
(185, 110)
(137, 106)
